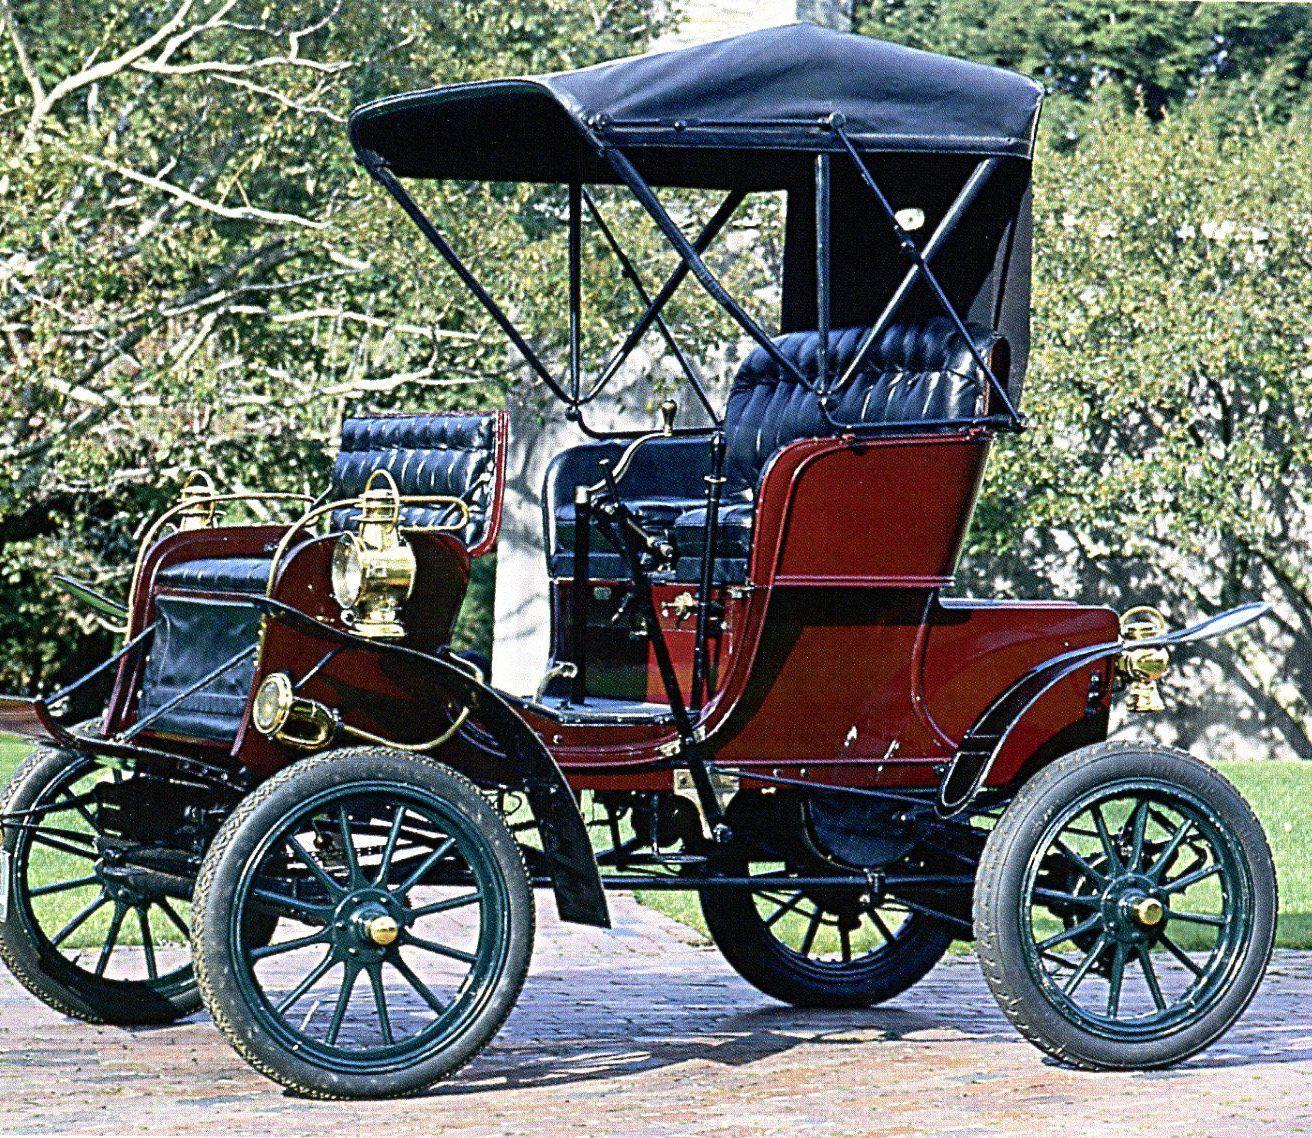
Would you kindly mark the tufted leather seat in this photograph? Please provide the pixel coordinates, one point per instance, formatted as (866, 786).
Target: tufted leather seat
(915, 373)
(219, 574)
(453, 455)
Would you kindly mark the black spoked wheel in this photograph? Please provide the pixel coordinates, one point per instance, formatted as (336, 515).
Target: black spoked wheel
(826, 948)
(1126, 907)
(403, 924)
(80, 927)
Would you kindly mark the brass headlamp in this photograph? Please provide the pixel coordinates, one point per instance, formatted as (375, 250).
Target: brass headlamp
(1142, 668)
(373, 569)
(283, 715)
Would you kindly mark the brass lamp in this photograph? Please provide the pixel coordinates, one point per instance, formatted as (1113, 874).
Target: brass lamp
(1142, 668)
(373, 569)
(283, 715)
(196, 512)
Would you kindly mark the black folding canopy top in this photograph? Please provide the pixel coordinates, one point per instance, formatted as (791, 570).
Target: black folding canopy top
(939, 139)
(766, 90)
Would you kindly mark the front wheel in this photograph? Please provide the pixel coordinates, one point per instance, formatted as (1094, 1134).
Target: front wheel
(403, 924)
(1125, 907)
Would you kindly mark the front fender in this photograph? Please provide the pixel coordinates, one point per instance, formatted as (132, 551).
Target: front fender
(984, 741)
(528, 767)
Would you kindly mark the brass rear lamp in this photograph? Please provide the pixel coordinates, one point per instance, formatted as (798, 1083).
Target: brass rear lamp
(373, 569)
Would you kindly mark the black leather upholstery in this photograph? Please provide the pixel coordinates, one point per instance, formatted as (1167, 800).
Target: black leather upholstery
(452, 455)
(219, 574)
(915, 373)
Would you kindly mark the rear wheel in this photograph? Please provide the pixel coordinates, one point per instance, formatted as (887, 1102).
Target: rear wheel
(1125, 907)
(77, 927)
(403, 924)
(821, 948)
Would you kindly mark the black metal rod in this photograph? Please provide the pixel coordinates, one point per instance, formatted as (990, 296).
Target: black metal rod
(909, 248)
(710, 231)
(647, 198)
(580, 595)
(630, 273)
(131, 645)
(383, 175)
(822, 265)
(946, 227)
(701, 649)
(575, 290)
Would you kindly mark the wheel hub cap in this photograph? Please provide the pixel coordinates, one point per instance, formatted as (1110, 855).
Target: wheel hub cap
(1148, 911)
(382, 930)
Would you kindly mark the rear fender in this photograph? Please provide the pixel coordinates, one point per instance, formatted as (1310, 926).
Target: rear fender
(986, 738)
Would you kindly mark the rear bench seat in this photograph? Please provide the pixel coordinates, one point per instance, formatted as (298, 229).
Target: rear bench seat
(921, 372)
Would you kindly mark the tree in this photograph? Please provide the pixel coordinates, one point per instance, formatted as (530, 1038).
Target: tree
(1156, 54)
(1170, 397)
(194, 272)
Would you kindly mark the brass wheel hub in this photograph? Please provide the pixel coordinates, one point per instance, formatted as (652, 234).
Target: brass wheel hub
(1148, 911)
(382, 930)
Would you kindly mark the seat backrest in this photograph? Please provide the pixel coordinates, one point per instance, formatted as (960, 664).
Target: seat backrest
(914, 373)
(458, 454)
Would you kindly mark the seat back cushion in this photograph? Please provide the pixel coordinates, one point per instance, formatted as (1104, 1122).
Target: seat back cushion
(457, 455)
(914, 373)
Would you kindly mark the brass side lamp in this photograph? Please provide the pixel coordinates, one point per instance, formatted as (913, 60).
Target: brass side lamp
(1142, 668)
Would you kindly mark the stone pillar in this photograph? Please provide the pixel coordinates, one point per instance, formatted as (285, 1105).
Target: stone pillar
(521, 641)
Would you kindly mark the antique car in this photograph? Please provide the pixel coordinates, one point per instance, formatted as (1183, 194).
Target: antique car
(304, 810)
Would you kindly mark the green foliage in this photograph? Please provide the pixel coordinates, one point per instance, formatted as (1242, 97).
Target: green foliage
(1150, 53)
(1170, 387)
(194, 272)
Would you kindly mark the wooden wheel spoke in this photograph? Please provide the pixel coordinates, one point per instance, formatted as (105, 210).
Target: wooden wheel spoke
(311, 978)
(1076, 860)
(350, 973)
(311, 863)
(63, 886)
(417, 984)
(1057, 897)
(1104, 836)
(348, 847)
(440, 949)
(811, 929)
(1164, 859)
(1150, 978)
(172, 914)
(1115, 977)
(295, 905)
(1086, 925)
(424, 866)
(1182, 883)
(385, 863)
(264, 951)
(65, 847)
(1180, 954)
(79, 920)
(1082, 970)
(878, 921)
(380, 1002)
(111, 937)
(845, 943)
(784, 907)
(147, 943)
(1197, 918)
(1138, 827)
(447, 904)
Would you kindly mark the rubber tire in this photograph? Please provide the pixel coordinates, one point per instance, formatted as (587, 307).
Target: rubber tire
(758, 957)
(43, 970)
(237, 840)
(999, 882)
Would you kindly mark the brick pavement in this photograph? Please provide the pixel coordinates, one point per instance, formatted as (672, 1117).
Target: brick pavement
(643, 1031)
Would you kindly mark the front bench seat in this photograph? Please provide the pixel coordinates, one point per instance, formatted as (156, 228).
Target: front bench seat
(446, 454)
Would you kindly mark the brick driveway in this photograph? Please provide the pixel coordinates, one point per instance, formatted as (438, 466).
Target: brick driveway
(642, 1031)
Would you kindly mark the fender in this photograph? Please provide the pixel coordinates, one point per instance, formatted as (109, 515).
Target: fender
(984, 741)
(575, 878)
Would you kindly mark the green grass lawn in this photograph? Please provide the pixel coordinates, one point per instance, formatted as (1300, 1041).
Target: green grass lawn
(1280, 793)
